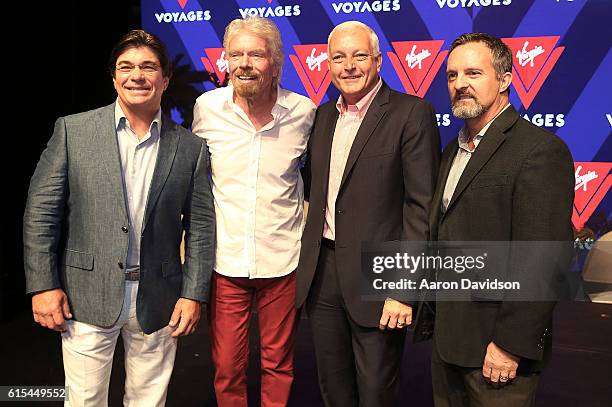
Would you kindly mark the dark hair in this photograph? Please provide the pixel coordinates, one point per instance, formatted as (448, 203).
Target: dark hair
(501, 56)
(136, 39)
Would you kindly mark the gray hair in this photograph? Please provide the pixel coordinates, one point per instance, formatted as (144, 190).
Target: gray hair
(347, 25)
(263, 28)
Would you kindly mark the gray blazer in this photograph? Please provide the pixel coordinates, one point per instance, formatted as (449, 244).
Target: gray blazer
(75, 223)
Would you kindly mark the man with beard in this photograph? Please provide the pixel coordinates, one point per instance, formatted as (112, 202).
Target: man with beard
(257, 133)
(503, 179)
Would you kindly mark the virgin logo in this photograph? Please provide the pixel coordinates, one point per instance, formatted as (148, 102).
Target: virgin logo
(222, 63)
(416, 59)
(583, 180)
(307, 62)
(315, 61)
(418, 68)
(533, 59)
(215, 63)
(593, 182)
(526, 57)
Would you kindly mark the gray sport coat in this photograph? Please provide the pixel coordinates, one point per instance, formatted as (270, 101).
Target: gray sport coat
(75, 229)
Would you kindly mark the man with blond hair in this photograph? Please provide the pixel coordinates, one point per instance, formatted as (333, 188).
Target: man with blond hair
(257, 133)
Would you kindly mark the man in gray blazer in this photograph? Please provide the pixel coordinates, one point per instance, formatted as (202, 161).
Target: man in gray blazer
(107, 206)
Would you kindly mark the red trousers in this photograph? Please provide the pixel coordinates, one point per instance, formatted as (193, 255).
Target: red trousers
(230, 313)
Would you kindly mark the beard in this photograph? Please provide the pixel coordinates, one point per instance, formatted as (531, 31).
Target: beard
(468, 108)
(250, 88)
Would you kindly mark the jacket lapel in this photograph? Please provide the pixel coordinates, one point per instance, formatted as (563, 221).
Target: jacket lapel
(328, 137)
(106, 137)
(447, 162)
(492, 139)
(375, 113)
(168, 144)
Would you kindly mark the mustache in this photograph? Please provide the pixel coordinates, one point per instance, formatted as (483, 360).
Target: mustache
(458, 96)
(246, 72)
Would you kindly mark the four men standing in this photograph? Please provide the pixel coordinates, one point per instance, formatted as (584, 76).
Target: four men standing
(117, 186)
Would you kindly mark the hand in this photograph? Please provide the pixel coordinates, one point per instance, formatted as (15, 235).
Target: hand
(51, 309)
(395, 315)
(499, 366)
(185, 317)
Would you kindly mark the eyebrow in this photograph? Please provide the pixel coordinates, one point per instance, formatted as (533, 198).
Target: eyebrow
(132, 63)
(258, 50)
(359, 51)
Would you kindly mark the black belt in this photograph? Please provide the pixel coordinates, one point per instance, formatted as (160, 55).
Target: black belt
(330, 244)
(132, 275)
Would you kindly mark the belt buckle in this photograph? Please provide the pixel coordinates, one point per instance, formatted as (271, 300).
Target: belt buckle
(132, 275)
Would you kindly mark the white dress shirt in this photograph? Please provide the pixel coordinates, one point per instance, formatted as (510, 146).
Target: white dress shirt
(257, 187)
(347, 126)
(461, 160)
(138, 159)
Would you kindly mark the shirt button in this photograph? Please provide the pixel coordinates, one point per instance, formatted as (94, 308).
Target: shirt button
(340, 211)
(124, 229)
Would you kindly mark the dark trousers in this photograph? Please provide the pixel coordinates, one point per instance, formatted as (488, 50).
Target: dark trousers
(357, 366)
(457, 386)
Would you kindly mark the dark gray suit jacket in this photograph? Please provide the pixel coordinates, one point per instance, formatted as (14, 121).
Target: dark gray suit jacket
(517, 186)
(75, 223)
(385, 192)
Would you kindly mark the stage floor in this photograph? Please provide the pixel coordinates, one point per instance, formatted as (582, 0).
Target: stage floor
(578, 375)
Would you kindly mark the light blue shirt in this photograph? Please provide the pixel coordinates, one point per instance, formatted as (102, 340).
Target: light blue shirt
(138, 159)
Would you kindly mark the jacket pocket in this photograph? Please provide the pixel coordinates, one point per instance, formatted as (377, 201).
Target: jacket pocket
(80, 260)
(490, 181)
(170, 268)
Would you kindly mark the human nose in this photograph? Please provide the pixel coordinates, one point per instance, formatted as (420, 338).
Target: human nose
(137, 73)
(245, 61)
(349, 63)
(461, 82)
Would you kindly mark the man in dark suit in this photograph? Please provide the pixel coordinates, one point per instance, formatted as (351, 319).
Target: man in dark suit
(372, 162)
(503, 179)
(107, 206)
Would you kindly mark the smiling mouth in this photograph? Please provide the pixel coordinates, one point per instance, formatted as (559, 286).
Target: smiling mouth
(351, 77)
(464, 97)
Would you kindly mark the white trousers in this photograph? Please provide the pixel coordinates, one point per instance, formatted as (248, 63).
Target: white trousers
(88, 358)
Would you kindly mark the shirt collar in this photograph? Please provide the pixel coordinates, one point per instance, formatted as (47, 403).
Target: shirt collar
(463, 134)
(121, 120)
(361, 107)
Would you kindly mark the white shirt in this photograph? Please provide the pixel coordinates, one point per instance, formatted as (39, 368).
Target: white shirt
(461, 160)
(347, 126)
(257, 187)
(138, 159)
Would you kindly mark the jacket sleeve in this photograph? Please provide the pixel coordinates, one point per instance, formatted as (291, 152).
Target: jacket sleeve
(541, 212)
(305, 169)
(44, 213)
(199, 226)
(420, 151)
